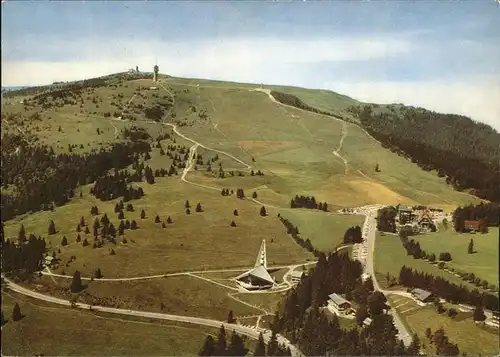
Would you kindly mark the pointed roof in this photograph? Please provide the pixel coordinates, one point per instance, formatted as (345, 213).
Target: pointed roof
(262, 256)
(259, 272)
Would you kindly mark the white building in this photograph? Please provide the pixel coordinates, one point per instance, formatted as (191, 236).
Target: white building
(339, 306)
(297, 276)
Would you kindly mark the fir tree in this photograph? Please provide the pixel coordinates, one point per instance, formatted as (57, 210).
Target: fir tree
(236, 346)
(21, 237)
(76, 283)
(186, 205)
(263, 212)
(470, 248)
(230, 317)
(478, 313)
(64, 241)
(169, 220)
(112, 252)
(121, 215)
(78, 228)
(105, 219)
(235, 212)
(16, 313)
(52, 228)
(163, 225)
(98, 274)
(233, 224)
(254, 195)
(221, 346)
(133, 225)
(260, 349)
(208, 348)
(198, 207)
(82, 221)
(78, 238)
(85, 242)
(272, 346)
(143, 214)
(188, 211)
(157, 219)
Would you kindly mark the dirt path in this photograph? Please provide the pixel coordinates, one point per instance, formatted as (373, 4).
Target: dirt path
(336, 152)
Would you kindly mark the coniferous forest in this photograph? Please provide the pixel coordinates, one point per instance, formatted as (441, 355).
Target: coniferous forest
(302, 321)
(43, 178)
(467, 153)
(488, 214)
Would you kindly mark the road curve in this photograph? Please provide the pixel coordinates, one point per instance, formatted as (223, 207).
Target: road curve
(243, 330)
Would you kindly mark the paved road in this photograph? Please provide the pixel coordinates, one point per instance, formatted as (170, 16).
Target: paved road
(243, 330)
(370, 227)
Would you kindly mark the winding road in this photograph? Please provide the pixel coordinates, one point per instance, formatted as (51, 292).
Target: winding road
(243, 330)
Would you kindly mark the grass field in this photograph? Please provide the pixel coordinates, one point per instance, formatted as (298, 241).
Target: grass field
(325, 230)
(51, 330)
(471, 339)
(483, 263)
(390, 256)
(193, 242)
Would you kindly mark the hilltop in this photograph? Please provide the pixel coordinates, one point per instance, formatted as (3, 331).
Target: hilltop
(323, 149)
(158, 194)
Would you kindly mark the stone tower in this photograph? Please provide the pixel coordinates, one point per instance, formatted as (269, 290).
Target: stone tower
(155, 71)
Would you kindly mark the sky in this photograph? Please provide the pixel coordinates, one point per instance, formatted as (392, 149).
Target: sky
(441, 55)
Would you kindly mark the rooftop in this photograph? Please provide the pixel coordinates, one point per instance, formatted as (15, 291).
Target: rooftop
(338, 300)
(421, 294)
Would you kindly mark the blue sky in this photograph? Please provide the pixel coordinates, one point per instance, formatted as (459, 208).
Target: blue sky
(443, 55)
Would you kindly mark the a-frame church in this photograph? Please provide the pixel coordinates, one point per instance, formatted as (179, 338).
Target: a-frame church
(258, 278)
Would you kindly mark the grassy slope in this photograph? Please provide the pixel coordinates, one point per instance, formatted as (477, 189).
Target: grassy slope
(484, 263)
(192, 242)
(461, 330)
(60, 331)
(325, 230)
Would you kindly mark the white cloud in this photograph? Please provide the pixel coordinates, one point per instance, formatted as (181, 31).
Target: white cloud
(265, 60)
(477, 100)
(211, 58)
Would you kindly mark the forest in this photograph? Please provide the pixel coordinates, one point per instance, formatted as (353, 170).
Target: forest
(467, 153)
(302, 321)
(448, 291)
(487, 213)
(39, 178)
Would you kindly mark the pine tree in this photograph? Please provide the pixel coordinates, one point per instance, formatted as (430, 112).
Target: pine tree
(105, 219)
(470, 248)
(236, 346)
(272, 346)
(21, 237)
(157, 219)
(121, 215)
(82, 221)
(87, 230)
(198, 207)
(78, 238)
(208, 348)
(254, 195)
(85, 242)
(64, 241)
(260, 349)
(220, 347)
(230, 317)
(163, 225)
(233, 224)
(133, 225)
(414, 347)
(186, 205)
(98, 274)
(52, 228)
(263, 212)
(169, 220)
(112, 252)
(76, 283)
(188, 211)
(78, 228)
(478, 313)
(16, 313)
(235, 212)
(143, 214)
